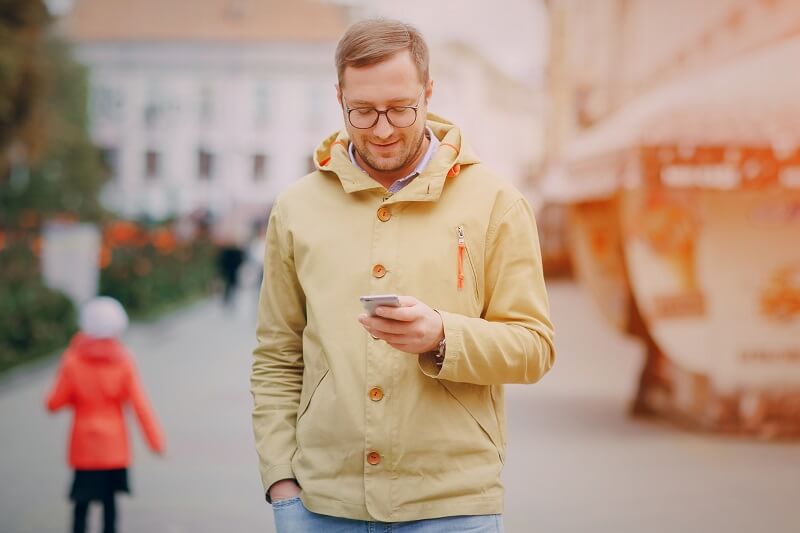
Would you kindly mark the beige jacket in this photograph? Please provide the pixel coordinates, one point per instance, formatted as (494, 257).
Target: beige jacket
(369, 432)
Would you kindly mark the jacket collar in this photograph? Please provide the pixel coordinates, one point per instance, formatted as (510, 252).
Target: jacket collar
(332, 157)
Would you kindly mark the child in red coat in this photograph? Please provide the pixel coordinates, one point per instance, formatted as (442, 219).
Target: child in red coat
(96, 378)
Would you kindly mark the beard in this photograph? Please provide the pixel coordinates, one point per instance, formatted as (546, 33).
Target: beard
(408, 152)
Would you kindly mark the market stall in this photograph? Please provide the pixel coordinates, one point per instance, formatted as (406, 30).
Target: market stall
(707, 211)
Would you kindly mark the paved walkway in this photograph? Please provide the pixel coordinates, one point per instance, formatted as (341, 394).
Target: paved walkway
(575, 463)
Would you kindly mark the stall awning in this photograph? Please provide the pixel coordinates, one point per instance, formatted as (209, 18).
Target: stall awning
(753, 101)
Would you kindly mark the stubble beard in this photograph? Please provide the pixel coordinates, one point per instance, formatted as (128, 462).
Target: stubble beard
(393, 163)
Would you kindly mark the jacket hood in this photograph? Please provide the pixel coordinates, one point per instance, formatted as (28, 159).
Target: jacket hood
(453, 154)
(95, 350)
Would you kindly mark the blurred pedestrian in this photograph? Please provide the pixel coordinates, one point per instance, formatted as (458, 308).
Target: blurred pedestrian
(96, 379)
(231, 234)
(229, 261)
(394, 420)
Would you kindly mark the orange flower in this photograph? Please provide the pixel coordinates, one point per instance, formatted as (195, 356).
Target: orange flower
(2, 240)
(36, 246)
(122, 232)
(105, 257)
(164, 241)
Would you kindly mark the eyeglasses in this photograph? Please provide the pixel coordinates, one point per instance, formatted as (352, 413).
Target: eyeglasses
(364, 118)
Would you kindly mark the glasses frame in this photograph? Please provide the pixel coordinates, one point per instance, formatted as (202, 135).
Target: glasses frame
(385, 112)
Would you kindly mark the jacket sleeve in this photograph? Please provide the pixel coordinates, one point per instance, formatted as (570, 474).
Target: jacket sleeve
(513, 340)
(61, 393)
(277, 372)
(144, 412)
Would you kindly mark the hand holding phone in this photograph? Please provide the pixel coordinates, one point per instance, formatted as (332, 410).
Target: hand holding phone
(413, 327)
(370, 303)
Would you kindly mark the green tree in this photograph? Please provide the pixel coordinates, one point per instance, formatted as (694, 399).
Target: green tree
(46, 96)
(22, 26)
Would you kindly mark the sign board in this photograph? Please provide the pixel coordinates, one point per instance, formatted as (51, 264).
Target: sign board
(70, 259)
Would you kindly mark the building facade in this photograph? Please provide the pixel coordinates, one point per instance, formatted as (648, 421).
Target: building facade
(212, 106)
(501, 116)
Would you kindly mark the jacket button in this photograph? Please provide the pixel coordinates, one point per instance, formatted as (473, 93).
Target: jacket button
(373, 458)
(384, 214)
(376, 394)
(378, 271)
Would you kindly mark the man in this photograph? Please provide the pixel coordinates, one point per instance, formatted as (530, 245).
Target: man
(399, 417)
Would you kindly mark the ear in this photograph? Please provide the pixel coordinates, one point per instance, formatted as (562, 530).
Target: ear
(338, 94)
(428, 90)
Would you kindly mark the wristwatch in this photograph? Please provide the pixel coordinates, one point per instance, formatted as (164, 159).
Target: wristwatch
(439, 354)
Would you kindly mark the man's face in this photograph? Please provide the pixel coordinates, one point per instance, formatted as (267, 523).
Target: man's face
(395, 82)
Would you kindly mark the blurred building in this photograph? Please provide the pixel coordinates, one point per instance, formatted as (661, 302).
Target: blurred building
(605, 58)
(213, 105)
(604, 54)
(500, 116)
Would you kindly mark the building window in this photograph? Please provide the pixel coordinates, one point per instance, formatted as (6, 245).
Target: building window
(155, 106)
(259, 167)
(105, 103)
(205, 164)
(109, 158)
(152, 164)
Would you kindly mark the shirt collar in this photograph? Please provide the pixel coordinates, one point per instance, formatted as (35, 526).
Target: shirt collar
(397, 185)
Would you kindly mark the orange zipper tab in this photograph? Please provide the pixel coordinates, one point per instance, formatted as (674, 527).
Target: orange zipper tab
(461, 246)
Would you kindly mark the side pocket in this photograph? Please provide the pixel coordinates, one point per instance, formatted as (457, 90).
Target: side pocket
(499, 411)
(286, 502)
(477, 401)
(307, 393)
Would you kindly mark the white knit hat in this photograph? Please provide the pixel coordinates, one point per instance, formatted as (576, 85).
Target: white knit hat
(103, 317)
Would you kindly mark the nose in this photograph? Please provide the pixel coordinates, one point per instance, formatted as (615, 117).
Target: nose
(382, 130)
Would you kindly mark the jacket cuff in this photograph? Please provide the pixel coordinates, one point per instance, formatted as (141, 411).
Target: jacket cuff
(273, 475)
(453, 352)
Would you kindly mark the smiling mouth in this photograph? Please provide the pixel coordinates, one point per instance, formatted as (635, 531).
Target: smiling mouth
(385, 145)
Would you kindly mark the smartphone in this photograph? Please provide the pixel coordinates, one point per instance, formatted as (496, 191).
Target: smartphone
(371, 302)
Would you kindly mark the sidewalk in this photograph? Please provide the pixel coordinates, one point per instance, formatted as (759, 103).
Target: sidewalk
(575, 463)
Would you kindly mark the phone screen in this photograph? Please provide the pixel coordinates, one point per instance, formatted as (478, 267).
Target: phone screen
(370, 303)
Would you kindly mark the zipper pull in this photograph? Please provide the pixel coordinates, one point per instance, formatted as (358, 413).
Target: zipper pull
(461, 246)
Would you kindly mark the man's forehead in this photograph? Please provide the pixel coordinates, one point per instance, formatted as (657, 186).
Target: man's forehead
(394, 79)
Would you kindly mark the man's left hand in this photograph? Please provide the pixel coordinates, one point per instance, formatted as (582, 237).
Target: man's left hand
(413, 327)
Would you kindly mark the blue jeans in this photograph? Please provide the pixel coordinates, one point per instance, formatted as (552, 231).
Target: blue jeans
(291, 516)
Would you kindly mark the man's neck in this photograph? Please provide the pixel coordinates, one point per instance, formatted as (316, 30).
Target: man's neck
(388, 177)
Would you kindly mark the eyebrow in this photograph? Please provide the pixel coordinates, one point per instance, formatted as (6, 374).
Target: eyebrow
(392, 101)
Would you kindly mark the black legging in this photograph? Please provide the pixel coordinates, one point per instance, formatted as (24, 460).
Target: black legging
(109, 516)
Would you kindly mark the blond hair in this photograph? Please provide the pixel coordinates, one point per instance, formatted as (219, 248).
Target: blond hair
(373, 41)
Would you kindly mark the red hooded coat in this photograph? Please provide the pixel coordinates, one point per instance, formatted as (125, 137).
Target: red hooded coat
(97, 377)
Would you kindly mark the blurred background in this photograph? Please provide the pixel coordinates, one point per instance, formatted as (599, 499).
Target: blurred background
(141, 147)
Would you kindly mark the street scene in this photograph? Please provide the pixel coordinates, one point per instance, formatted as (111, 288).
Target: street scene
(175, 174)
(577, 460)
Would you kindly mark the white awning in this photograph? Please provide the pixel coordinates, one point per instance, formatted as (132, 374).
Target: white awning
(751, 101)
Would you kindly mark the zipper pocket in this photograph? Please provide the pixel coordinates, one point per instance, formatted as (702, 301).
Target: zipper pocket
(465, 257)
